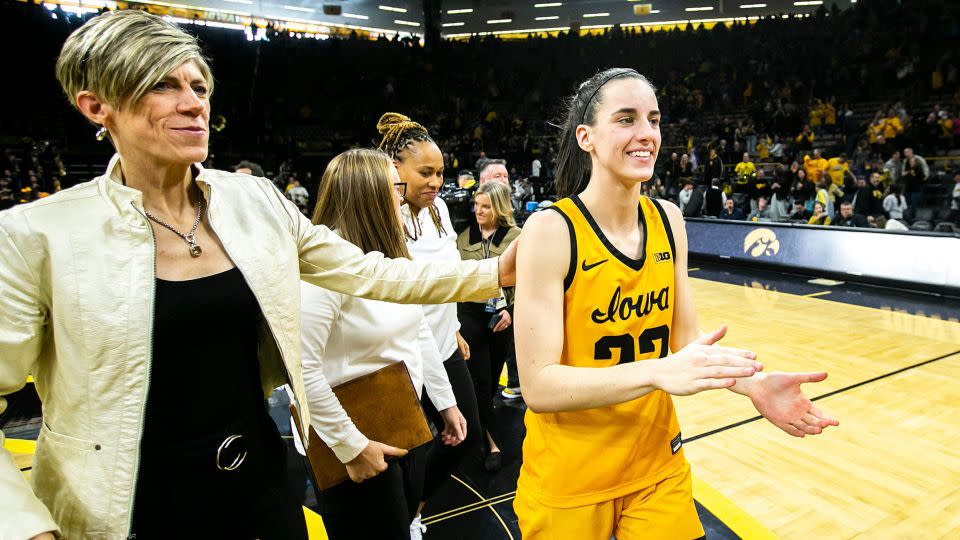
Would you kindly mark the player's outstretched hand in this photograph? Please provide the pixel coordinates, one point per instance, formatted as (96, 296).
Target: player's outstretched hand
(703, 365)
(778, 398)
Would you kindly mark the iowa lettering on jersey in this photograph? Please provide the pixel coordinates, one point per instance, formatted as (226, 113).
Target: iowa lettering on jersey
(623, 309)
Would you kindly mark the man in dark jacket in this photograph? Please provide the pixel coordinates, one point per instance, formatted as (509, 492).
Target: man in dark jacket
(846, 218)
(800, 212)
(730, 211)
(713, 168)
(694, 207)
(671, 173)
(715, 199)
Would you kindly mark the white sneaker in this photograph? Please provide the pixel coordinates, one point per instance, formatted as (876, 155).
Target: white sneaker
(417, 529)
(511, 393)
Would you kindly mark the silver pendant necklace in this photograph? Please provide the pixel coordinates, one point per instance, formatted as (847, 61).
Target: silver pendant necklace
(191, 237)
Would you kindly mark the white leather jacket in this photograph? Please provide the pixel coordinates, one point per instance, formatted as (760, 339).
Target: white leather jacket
(77, 276)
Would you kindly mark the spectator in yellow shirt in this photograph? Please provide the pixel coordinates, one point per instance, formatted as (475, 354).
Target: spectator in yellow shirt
(892, 127)
(838, 168)
(876, 128)
(746, 167)
(816, 115)
(820, 215)
(763, 148)
(746, 175)
(829, 117)
(814, 166)
(946, 129)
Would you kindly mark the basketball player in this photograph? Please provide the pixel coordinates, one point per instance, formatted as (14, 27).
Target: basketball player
(603, 299)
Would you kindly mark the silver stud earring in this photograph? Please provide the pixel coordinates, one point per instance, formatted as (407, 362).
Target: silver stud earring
(101, 133)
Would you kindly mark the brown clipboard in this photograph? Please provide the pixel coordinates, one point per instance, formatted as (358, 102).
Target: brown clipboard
(385, 408)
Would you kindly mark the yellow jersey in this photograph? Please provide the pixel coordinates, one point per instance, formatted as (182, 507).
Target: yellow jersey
(615, 310)
(814, 168)
(892, 127)
(836, 170)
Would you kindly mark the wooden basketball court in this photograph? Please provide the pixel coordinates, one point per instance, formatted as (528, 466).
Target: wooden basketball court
(892, 468)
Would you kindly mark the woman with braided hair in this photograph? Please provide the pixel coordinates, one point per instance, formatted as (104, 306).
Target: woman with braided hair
(430, 237)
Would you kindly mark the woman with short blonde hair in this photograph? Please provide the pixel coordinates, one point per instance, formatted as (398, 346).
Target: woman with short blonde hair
(119, 293)
(488, 326)
(499, 197)
(122, 55)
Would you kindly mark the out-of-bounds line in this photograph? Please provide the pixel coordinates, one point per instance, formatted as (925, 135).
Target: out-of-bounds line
(735, 518)
(495, 514)
(482, 503)
(486, 503)
(824, 396)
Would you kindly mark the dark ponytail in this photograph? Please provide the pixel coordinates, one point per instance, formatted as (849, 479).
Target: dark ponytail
(573, 164)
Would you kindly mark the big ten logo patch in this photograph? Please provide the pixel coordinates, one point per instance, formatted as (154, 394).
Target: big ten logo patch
(761, 243)
(663, 256)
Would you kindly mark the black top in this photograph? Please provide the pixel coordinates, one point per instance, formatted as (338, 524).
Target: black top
(204, 387)
(205, 330)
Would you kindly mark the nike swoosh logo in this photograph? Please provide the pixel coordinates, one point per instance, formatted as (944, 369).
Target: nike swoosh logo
(586, 266)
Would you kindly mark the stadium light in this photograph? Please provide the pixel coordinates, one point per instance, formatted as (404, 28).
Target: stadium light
(298, 8)
(391, 8)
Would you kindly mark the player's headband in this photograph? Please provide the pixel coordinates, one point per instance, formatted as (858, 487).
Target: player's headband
(619, 72)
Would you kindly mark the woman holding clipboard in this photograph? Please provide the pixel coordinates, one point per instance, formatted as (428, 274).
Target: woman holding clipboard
(345, 337)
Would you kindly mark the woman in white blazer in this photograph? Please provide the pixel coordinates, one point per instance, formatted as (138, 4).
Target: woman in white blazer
(119, 293)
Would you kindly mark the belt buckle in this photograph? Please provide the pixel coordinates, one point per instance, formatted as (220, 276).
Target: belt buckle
(237, 461)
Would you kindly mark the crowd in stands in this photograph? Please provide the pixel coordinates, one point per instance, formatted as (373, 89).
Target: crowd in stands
(812, 122)
(900, 192)
(31, 172)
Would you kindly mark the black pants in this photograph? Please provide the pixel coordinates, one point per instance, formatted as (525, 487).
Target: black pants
(488, 352)
(184, 494)
(442, 459)
(380, 507)
(513, 376)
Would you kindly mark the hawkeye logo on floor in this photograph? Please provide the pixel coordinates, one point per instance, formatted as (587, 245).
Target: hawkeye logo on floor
(661, 257)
